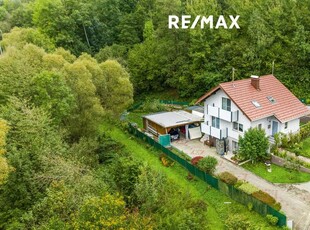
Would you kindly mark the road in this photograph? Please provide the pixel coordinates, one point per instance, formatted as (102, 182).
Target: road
(294, 200)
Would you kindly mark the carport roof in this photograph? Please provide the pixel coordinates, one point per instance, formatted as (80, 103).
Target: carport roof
(173, 119)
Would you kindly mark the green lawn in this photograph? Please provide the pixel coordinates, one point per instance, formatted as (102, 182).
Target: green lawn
(278, 174)
(136, 117)
(218, 210)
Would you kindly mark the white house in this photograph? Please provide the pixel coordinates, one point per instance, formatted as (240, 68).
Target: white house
(231, 108)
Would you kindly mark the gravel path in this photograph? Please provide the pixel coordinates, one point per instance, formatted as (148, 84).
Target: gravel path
(295, 201)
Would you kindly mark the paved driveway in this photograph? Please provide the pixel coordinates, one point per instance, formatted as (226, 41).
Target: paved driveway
(295, 202)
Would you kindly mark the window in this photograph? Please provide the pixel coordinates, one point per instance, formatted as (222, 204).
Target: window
(216, 122)
(271, 99)
(285, 125)
(256, 104)
(235, 146)
(237, 126)
(259, 126)
(226, 104)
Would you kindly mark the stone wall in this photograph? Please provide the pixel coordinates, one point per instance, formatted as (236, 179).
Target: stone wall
(280, 161)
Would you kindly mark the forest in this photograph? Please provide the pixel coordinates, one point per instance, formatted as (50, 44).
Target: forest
(67, 67)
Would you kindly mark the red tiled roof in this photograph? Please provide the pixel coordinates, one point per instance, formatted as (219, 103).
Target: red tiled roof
(242, 93)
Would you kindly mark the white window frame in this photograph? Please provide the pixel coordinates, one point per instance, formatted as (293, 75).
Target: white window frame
(239, 127)
(215, 122)
(225, 104)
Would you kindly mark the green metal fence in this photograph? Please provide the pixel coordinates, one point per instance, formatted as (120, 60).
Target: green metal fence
(170, 102)
(135, 106)
(227, 189)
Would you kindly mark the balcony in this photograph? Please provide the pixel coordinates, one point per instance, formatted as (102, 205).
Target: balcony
(214, 132)
(223, 114)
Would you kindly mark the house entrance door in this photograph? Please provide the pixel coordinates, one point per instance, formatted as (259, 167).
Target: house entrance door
(274, 127)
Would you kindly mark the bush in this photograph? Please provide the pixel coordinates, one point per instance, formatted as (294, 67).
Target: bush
(228, 178)
(264, 197)
(248, 188)
(195, 160)
(181, 154)
(273, 220)
(207, 164)
(250, 206)
(284, 141)
(277, 206)
(239, 183)
(153, 106)
(165, 160)
(237, 221)
(253, 145)
(305, 131)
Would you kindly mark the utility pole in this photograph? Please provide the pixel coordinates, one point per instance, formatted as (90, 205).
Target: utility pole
(272, 70)
(233, 74)
(233, 77)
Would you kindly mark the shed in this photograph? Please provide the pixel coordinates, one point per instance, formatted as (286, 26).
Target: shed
(162, 123)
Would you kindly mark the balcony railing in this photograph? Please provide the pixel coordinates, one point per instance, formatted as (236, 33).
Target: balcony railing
(214, 132)
(223, 114)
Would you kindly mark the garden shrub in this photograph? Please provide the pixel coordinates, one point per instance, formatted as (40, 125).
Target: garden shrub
(181, 154)
(264, 197)
(277, 206)
(248, 188)
(153, 106)
(237, 221)
(305, 131)
(195, 160)
(273, 220)
(228, 178)
(250, 206)
(207, 164)
(239, 183)
(165, 160)
(284, 141)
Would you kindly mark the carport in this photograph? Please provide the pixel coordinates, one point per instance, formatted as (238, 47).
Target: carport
(162, 123)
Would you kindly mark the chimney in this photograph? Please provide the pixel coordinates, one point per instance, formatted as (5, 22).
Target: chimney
(255, 82)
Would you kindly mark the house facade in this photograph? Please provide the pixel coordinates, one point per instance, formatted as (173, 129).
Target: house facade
(264, 102)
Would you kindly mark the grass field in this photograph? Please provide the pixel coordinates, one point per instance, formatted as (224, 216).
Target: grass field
(218, 208)
(278, 174)
(136, 117)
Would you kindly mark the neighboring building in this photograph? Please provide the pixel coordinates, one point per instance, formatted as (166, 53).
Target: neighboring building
(196, 110)
(231, 108)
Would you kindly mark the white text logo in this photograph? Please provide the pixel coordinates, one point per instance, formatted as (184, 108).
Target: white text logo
(185, 22)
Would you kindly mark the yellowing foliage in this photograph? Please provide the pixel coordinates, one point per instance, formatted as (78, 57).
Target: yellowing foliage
(4, 128)
(4, 167)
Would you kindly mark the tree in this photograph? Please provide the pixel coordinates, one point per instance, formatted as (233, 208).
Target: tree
(4, 167)
(19, 37)
(89, 112)
(17, 69)
(149, 189)
(50, 92)
(119, 88)
(207, 164)
(32, 137)
(254, 144)
(105, 212)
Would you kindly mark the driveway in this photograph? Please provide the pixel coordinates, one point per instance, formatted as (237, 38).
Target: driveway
(294, 200)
